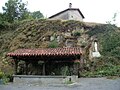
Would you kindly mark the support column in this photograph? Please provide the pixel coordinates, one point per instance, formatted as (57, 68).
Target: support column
(79, 70)
(16, 66)
(26, 70)
(80, 66)
(44, 68)
(81, 62)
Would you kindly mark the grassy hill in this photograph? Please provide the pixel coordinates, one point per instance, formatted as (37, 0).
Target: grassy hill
(37, 34)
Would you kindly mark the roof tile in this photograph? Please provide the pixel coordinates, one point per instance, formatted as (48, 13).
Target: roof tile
(46, 52)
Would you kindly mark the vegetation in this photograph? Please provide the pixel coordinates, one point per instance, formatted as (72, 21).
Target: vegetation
(77, 33)
(53, 44)
(22, 29)
(65, 71)
(109, 63)
(4, 78)
(15, 10)
(111, 44)
(102, 68)
(37, 15)
(1, 74)
(69, 81)
(31, 34)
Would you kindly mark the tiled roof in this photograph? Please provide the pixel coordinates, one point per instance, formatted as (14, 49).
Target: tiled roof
(46, 52)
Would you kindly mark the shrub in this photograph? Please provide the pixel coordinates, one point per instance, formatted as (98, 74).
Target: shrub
(110, 44)
(76, 33)
(1, 74)
(5, 78)
(53, 44)
(65, 71)
(103, 66)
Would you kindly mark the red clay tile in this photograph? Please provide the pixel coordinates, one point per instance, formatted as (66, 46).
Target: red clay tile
(46, 52)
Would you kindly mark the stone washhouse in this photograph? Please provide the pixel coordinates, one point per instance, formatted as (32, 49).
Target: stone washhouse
(49, 61)
(61, 61)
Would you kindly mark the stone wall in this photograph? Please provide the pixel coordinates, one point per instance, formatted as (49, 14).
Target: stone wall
(68, 15)
(43, 80)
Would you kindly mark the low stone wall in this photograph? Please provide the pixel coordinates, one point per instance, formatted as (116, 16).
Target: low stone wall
(33, 79)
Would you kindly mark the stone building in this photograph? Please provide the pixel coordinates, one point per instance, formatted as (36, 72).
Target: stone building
(68, 14)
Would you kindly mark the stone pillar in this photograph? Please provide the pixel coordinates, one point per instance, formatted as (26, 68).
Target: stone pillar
(81, 62)
(26, 70)
(16, 66)
(81, 66)
(44, 68)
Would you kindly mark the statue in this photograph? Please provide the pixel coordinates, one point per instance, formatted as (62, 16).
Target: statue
(95, 45)
(96, 52)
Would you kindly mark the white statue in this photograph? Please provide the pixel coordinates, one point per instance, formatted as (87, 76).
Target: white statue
(95, 44)
(96, 52)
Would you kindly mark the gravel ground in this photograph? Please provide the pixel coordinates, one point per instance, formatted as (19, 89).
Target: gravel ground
(82, 84)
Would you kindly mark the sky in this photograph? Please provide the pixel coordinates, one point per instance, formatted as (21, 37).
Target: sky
(99, 11)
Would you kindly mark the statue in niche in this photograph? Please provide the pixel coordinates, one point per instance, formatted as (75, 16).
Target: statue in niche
(95, 46)
(96, 52)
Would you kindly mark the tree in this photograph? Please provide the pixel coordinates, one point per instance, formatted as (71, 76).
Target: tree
(1, 20)
(113, 21)
(1, 17)
(15, 10)
(37, 15)
(3, 23)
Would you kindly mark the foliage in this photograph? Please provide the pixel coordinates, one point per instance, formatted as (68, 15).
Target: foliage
(109, 70)
(68, 82)
(15, 10)
(101, 29)
(3, 78)
(65, 71)
(37, 15)
(71, 24)
(103, 66)
(113, 21)
(103, 71)
(30, 34)
(108, 65)
(53, 44)
(1, 74)
(111, 44)
(109, 40)
(76, 33)
(1, 21)
(3, 24)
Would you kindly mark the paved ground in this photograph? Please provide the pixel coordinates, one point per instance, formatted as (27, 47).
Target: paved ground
(82, 84)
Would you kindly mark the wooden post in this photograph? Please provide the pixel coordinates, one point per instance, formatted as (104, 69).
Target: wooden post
(44, 68)
(16, 66)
